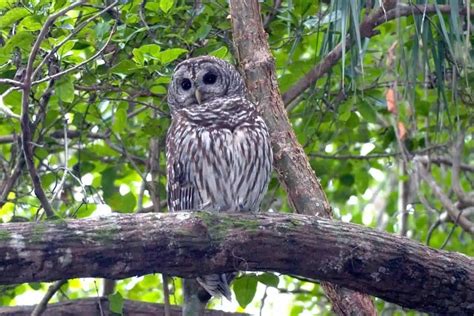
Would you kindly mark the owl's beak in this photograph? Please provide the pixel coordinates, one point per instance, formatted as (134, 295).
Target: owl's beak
(198, 96)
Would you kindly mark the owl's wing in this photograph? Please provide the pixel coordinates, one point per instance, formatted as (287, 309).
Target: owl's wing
(181, 187)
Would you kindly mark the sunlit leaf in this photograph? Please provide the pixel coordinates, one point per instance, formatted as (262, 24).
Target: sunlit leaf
(170, 55)
(245, 288)
(13, 15)
(65, 89)
(116, 303)
(166, 5)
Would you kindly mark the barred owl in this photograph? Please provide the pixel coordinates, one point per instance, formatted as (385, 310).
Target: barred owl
(218, 148)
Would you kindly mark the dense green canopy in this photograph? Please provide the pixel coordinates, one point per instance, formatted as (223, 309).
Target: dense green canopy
(388, 129)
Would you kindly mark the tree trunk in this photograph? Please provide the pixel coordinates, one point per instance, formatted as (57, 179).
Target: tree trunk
(292, 165)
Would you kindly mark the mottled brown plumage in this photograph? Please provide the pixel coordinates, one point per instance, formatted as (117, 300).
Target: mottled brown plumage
(218, 148)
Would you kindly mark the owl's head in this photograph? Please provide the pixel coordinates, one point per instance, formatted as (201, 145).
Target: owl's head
(203, 79)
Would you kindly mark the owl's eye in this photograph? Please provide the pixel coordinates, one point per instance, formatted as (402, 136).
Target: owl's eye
(209, 78)
(186, 84)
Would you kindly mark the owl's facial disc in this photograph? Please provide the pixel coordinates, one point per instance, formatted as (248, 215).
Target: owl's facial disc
(197, 81)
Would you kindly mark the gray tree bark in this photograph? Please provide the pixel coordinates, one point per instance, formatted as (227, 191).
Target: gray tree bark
(394, 268)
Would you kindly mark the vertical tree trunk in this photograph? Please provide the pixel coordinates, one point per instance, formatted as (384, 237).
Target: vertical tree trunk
(303, 188)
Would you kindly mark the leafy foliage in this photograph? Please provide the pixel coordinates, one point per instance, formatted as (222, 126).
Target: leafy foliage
(402, 95)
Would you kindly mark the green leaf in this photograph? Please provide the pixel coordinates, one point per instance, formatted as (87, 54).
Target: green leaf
(12, 16)
(202, 32)
(22, 40)
(146, 52)
(30, 23)
(85, 210)
(116, 303)
(122, 203)
(47, 179)
(58, 4)
(245, 288)
(35, 285)
(158, 89)
(120, 118)
(13, 101)
(6, 3)
(65, 89)
(367, 112)
(154, 126)
(345, 111)
(166, 5)
(107, 181)
(124, 67)
(170, 55)
(102, 29)
(66, 49)
(347, 179)
(268, 279)
(220, 52)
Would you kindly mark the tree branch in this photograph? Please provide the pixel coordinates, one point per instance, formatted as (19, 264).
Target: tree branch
(43, 305)
(94, 306)
(389, 11)
(26, 135)
(452, 210)
(88, 60)
(67, 38)
(393, 268)
(292, 165)
(11, 82)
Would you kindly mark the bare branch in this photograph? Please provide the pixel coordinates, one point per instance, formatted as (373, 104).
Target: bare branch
(64, 72)
(458, 148)
(272, 14)
(11, 82)
(452, 210)
(4, 108)
(9, 183)
(41, 307)
(26, 136)
(67, 38)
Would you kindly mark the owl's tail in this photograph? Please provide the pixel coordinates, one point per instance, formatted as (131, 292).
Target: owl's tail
(217, 284)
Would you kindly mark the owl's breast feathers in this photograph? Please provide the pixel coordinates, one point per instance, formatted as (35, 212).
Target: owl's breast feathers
(219, 157)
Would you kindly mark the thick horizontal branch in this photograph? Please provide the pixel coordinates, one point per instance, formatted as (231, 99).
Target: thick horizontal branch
(393, 268)
(100, 306)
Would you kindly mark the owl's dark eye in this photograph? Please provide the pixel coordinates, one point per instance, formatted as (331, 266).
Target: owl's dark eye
(209, 78)
(186, 84)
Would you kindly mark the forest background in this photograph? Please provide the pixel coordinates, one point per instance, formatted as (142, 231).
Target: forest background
(378, 93)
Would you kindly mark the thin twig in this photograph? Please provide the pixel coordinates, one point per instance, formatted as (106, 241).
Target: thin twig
(53, 288)
(25, 120)
(12, 82)
(452, 210)
(9, 183)
(62, 73)
(451, 231)
(274, 11)
(67, 38)
(458, 148)
(4, 108)
(166, 294)
(66, 170)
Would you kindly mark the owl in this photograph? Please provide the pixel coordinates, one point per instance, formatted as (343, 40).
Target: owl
(218, 154)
